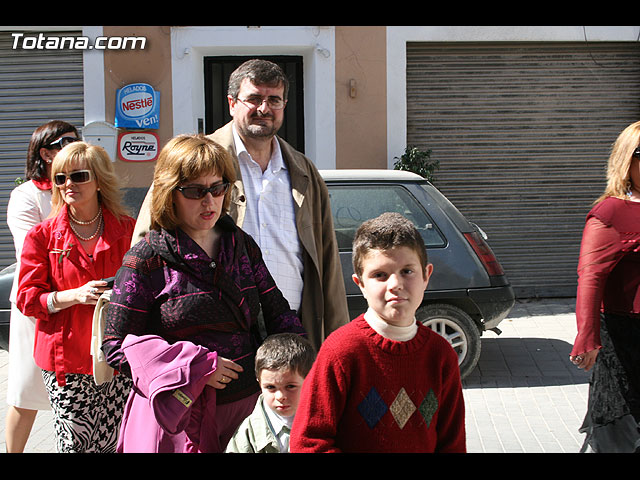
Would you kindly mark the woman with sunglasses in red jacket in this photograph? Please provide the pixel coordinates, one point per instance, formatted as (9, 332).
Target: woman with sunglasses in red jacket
(64, 261)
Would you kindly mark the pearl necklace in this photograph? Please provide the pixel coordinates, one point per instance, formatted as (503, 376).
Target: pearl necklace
(80, 222)
(86, 239)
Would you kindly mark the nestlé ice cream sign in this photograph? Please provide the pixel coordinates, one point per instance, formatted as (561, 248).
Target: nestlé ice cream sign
(137, 107)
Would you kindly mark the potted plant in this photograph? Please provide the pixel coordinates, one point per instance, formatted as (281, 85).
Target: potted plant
(417, 161)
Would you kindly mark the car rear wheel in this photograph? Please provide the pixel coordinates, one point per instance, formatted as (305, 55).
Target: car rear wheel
(457, 328)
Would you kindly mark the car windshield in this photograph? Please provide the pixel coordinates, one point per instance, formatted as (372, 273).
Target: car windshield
(353, 204)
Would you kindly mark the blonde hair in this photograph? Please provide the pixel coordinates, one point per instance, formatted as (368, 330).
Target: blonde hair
(619, 164)
(96, 159)
(184, 158)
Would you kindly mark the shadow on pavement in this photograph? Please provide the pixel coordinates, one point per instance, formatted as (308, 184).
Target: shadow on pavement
(527, 307)
(513, 362)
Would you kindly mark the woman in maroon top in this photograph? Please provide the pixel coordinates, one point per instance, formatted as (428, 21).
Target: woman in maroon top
(608, 304)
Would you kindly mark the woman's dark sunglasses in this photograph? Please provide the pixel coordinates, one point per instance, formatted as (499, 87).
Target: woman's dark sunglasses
(77, 177)
(198, 192)
(62, 142)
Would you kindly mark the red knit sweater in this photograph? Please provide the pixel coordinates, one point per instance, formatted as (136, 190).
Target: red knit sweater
(366, 393)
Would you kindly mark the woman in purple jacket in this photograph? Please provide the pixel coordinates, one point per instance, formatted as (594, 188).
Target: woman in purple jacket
(183, 317)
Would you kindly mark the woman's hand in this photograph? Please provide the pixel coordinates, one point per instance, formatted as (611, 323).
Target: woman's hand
(226, 371)
(585, 360)
(87, 294)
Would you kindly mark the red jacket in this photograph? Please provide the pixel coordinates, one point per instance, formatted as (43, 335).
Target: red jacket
(52, 260)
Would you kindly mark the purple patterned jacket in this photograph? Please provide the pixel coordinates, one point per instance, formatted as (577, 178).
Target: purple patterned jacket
(168, 286)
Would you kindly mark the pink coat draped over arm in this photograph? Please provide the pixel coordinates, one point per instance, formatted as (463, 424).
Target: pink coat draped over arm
(170, 404)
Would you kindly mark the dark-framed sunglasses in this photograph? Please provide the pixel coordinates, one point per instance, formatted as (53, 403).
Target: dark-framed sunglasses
(196, 192)
(62, 142)
(636, 152)
(77, 177)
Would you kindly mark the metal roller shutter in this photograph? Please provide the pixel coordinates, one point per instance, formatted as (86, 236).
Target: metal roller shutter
(36, 86)
(523, 132)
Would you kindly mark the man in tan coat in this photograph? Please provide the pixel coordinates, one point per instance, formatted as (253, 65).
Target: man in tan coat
(281, 200)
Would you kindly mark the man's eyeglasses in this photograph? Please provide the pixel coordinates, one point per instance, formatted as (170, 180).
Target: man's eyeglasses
(62, 142)
(197, 192)
(255, 101)
(77, 177)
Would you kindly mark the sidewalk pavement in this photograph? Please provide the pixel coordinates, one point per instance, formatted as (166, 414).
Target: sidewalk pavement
(524, 396)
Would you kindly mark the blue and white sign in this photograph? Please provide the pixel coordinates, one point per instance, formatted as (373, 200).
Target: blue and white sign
(137, 107)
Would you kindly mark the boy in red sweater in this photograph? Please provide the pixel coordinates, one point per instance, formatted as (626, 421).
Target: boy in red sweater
(384, 382)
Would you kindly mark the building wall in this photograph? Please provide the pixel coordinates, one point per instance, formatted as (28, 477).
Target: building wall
(171, 63)
(342, 131)
(151, 65)
(398, 36)
(361, 90)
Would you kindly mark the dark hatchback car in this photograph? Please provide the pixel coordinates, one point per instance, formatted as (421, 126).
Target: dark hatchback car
(468, 292)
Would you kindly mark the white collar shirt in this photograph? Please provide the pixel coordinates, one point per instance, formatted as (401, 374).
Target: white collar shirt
(270, 219)
(280, 427)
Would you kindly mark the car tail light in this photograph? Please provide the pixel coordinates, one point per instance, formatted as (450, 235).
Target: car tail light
(484, 253)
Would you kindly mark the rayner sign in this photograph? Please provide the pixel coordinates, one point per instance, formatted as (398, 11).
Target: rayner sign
(138, 146)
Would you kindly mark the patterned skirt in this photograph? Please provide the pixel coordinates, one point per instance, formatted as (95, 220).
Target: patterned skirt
(87, 416)
(612, 422)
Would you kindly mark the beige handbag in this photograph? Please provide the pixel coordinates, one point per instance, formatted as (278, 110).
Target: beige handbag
(102, 372)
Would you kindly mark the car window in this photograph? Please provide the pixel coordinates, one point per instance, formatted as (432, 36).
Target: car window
(353, 204)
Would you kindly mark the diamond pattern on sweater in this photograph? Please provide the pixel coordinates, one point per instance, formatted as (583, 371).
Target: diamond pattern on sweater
(428, 407)
(402, 408)
(372, 408)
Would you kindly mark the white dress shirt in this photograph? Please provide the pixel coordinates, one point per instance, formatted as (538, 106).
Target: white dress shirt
(270, 219)
(280, 426)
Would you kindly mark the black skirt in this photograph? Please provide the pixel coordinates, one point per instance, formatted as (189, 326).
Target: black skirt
(612, 422)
